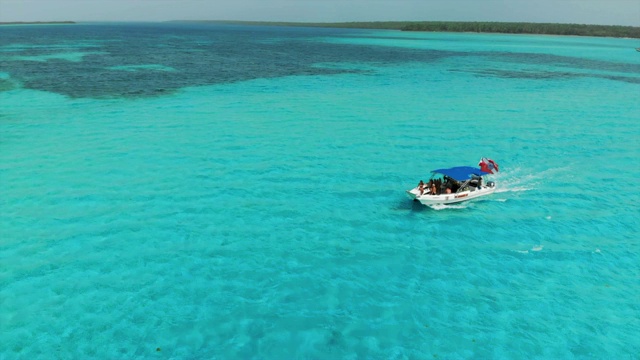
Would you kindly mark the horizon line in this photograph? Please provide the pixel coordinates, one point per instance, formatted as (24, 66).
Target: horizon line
(26, 22)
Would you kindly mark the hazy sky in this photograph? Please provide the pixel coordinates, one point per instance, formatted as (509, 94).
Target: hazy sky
(606, 12)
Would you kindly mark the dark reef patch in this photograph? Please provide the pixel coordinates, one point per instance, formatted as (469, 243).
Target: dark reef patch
(545, 75)
(7, 85)
(167, 57)
(200, 55)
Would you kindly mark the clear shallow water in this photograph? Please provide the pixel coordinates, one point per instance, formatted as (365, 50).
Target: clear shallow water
(239, 193)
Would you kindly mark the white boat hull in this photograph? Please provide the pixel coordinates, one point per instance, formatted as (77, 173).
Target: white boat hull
(428, 199)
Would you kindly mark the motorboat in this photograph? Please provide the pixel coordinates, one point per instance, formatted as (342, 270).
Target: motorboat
(456, 184)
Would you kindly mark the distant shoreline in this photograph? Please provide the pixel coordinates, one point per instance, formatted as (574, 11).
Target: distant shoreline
(459, 26)
(616, 31)
(36, 22)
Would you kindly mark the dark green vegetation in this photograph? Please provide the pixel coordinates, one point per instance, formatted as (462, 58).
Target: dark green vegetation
(480, 27)
(527, 28)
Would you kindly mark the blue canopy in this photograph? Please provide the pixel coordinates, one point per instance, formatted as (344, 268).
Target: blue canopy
(461, 173)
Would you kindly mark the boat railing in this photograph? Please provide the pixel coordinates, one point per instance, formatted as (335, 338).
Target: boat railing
(464, 186)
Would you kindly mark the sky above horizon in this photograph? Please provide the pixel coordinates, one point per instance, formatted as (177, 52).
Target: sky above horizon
(603, 12)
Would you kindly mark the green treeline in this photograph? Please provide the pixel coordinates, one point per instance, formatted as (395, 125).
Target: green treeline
(525, 28)
(480, 27)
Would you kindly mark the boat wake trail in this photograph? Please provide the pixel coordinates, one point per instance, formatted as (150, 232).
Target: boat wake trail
(516, 180)
(439, 207)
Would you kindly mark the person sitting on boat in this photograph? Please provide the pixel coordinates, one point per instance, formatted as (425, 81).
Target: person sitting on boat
(428, 186)
(434, 191)
(421, 187)
(448, 185)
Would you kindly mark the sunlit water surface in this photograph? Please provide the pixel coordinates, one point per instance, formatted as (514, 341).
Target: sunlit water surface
(233, 192)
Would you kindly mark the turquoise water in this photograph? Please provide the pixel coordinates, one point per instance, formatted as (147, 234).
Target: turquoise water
(241, 195)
